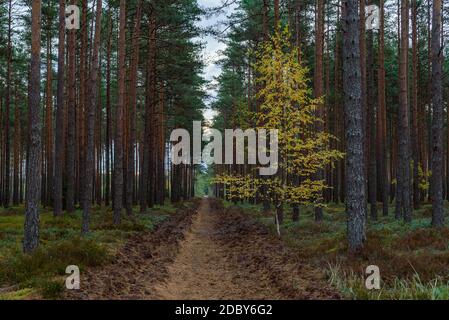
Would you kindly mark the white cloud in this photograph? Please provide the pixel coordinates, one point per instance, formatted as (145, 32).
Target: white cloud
(213, 48)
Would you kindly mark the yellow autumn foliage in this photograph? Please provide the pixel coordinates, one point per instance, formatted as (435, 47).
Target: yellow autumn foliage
(286, 104)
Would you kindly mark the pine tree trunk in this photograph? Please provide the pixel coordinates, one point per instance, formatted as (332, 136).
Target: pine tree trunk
(437, 118)
(328, 112)
(318, 83)
(132, 109)
(118, 143)
(276, 15)
(339, 119)
(92, 96)
(352, 87)
(146, 196)
(82, 106)
(414, 109)
(33, 191)
(6, 191)
(298, 11)
(403, 201)
(161, 150)
(425, 119)
(49, 122)
(17, 164)
(265, 11)
(59, 125)
(382, 117)
(362, 44)
(98, 176)
(71, 121)
(372, 173)
(108, 112)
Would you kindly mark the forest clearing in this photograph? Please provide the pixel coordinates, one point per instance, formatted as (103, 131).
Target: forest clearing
(224, 150)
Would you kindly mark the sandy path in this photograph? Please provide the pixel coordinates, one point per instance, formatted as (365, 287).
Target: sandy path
(202, 271)
(205, 252)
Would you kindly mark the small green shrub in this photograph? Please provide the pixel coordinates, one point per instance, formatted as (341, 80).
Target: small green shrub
(128, 226)
(51, 289)
(52, 260)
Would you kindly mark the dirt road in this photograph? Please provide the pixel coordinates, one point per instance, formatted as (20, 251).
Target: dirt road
(208, 254)
(202, 270)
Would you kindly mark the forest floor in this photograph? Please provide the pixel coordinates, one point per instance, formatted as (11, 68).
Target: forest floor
(42, 274)
(208, 249)
(208, 254)
(413, 258)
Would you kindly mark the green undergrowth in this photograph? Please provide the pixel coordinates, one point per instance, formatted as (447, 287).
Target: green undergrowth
(42, 273)
(413, 258)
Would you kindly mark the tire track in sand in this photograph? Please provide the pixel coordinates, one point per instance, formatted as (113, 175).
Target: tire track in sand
(206, 268)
